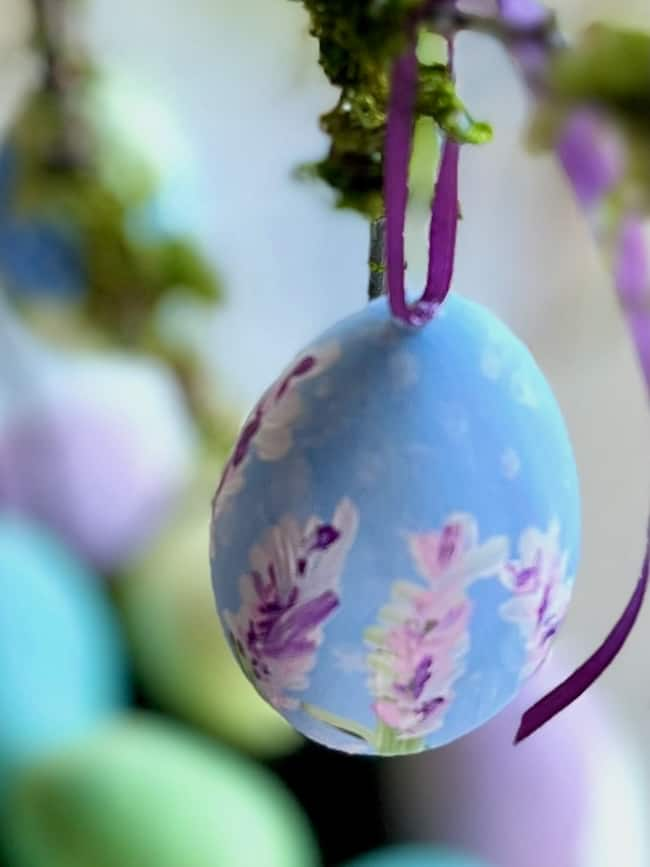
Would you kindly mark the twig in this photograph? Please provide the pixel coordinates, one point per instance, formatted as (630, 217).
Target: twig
(50, 39)
(447, 20)
(58, 80)
(377, 259)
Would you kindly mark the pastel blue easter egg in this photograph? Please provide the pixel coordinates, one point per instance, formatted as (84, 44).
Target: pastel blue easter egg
(396, 533)
(415, 856)
(62, 666)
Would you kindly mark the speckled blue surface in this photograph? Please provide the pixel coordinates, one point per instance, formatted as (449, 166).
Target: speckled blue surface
(408, 430)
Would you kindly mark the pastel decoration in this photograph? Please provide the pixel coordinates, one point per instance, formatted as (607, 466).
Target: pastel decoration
(573, 795)
(144, 793)
(62, 663)
(184, 663)
(97, 447)
(415, 856)
(396, 533)
(593, 155)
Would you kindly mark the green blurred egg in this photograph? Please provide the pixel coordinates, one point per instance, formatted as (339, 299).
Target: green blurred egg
(183, 661)
(62, 665)
(415, 856)
(143, 793)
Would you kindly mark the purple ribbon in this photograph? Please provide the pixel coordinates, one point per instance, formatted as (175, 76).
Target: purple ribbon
(518, 11)
(442, 245)
(589, 672)
(444, 208)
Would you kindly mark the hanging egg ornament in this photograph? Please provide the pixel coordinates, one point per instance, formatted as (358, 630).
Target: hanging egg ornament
(396, 533)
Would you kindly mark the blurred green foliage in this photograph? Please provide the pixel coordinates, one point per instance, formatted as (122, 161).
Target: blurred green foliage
(62, 177)
(607, 68)
(610, 66)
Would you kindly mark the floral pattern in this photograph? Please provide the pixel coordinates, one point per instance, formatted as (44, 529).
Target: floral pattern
(268, 429)
(418, 649)
(290, 592)
(541, 592)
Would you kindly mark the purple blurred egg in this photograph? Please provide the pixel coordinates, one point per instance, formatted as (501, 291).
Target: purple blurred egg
(632, 265)
(592, 154)
(639, 324)
(99, 453)
(569, 797)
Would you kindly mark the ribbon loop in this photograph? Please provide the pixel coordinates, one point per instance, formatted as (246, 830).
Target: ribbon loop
(444, 208)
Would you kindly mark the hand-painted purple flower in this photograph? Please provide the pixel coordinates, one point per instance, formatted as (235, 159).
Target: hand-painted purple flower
(541, 592)
(286, 598)
(593, 155)
(268, 428)
(454, 554)
(523, 13)
(418, 650)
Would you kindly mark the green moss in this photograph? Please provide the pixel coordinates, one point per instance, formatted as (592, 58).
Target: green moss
(358, 41)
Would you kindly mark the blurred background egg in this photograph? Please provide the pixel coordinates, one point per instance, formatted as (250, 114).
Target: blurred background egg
(38, 255)
(96, 446)
(184, 663)
(62, 662)
(145, 793)
(572, 795)
(415, 856)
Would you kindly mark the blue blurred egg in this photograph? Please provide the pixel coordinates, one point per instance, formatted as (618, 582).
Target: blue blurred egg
(37, 259)
(62, 666)
(38, 256)
(415, 856)
(397, 530)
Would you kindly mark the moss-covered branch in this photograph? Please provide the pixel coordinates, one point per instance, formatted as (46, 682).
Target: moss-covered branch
(358, 40)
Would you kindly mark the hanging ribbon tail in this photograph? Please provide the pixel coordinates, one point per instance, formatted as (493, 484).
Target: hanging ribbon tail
(581, 680)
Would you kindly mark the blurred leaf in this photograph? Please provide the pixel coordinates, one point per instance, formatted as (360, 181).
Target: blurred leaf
(608, 66)
(62, 178)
